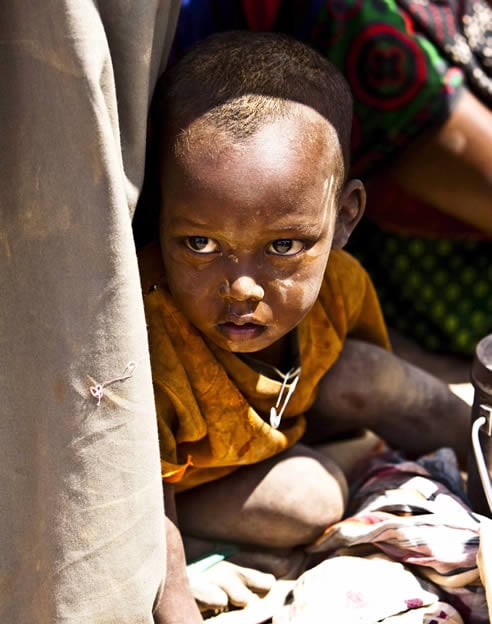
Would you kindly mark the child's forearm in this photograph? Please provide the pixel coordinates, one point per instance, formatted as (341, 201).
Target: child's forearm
(371, 388)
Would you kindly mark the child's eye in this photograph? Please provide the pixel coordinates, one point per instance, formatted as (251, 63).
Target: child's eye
(285, 247)
(201, 244)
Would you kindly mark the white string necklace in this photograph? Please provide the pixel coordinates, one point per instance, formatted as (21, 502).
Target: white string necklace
(275, 414)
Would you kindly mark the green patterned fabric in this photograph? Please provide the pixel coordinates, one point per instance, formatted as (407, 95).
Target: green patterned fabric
(438, 292)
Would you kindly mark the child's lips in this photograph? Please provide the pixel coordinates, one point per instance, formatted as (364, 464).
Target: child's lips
(241, 331)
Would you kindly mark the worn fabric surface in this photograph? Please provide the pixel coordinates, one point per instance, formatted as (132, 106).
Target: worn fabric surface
(210, 402)
(81, 512)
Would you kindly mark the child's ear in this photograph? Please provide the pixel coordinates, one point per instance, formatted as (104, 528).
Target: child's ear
(351, 207)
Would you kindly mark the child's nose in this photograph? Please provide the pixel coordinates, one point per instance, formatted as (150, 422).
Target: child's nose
(243, 288)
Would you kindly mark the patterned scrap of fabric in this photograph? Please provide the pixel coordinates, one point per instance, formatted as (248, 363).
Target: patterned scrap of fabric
(415, 514)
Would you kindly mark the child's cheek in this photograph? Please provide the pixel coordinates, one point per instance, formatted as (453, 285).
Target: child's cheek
(184, 283)
(284, 288)
(297, 293)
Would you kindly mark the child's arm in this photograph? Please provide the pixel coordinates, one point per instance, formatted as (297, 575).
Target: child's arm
(370, 388)
(177, 605)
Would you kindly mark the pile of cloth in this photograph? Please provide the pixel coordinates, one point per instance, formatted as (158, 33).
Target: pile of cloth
(407, 551)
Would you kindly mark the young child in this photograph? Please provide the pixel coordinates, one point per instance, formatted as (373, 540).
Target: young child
(259, 323)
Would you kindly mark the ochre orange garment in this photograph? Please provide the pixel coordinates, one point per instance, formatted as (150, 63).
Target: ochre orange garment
(209, 401)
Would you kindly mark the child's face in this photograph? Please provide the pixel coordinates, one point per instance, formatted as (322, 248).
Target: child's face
(247, 229)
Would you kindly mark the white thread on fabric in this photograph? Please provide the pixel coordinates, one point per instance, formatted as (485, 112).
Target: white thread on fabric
(97, 390)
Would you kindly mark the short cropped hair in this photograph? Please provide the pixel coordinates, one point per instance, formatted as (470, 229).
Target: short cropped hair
(239, 80)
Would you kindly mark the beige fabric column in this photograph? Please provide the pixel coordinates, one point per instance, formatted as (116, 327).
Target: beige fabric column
(81, 513)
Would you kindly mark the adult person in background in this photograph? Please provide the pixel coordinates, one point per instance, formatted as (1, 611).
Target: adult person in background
(420, 73)
(82, 536)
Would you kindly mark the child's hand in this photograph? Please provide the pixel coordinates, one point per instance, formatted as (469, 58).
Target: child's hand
(228, 584)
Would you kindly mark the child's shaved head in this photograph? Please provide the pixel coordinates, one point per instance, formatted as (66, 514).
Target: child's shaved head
(237, 81)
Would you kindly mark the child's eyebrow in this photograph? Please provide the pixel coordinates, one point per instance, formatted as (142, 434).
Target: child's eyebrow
(276, 230)
(298, 227)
